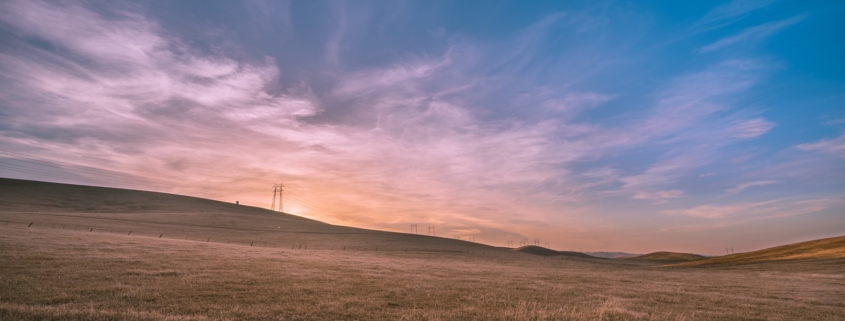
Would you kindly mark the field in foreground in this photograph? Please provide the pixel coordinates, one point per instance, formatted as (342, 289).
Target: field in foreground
(102, 272)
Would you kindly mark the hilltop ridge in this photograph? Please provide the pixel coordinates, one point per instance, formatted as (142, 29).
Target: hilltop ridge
(830, 249)
(665, 256)
(539, 250)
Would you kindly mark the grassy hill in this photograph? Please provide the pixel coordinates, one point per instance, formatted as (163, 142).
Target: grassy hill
(100, 209)
(825, 251)
(666, 257)
(542, 251)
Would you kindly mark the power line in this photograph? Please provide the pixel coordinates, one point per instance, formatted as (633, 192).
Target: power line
(318, 208)
(82, 168)
(20, 169)
(106, 177)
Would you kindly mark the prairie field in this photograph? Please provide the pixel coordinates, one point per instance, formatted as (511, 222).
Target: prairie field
(55, 274)
(196, 262)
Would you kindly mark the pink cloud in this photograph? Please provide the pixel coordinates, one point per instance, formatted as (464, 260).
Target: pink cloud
(834, 146)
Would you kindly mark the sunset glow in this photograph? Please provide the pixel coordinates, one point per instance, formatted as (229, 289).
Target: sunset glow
(603, 127)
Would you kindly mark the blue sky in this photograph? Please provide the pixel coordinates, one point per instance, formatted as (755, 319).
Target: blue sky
(632, 126)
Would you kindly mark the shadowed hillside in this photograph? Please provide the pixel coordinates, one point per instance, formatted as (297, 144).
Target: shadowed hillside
(142, 213)
(829, 249)
(539, 250)
(667, 257)
(612, 255)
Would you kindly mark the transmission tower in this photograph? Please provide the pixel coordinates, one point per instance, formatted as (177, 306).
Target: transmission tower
(277, 189)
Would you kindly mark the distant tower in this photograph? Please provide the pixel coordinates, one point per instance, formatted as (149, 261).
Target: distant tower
(277, 189)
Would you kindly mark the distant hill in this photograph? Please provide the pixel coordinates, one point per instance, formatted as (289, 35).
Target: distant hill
(539, 250)
(667, 257)
(612, 255)
(823, 249)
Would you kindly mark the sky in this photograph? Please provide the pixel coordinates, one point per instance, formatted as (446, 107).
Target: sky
(632, 126)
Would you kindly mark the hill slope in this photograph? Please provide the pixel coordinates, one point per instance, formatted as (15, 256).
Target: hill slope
(142, 213)
(667, 257)
(539, 250)
(824, 249)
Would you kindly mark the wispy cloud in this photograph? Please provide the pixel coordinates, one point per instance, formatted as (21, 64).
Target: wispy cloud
(743, 186)
(834, 146)
(660, 196)
(725, 13)
(752, 128)
(752, 33)
(575, 102)
(746, 210)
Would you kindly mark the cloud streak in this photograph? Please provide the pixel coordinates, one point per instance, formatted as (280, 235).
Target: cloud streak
(752, 33)
(834, 146)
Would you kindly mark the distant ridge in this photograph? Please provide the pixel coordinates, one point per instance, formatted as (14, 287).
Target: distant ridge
(824, 249)
(668, 257)
(612, 255)
(539, 250)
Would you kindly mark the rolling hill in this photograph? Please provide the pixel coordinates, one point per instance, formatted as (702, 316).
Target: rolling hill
(89, 253)
(143, 213)
(539, 250)
(831, 250)
(666, 257)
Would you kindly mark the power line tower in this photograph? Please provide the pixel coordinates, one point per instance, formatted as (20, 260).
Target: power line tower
(277, 189)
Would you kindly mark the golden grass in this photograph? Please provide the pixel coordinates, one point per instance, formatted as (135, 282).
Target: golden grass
(59, 274)
(829, 250)
(77, 261)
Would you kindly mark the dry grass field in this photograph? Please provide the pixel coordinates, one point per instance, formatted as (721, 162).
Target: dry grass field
(78, 261)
